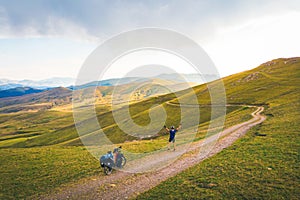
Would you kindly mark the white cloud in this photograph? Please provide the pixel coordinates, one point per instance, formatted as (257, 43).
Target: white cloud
(4, 24)
(53, 27)
(247, 45)
(238, 35)
(60, 27)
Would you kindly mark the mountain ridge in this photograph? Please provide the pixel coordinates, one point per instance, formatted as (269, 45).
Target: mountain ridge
(53, 82)
(18, 91)
(37, 84)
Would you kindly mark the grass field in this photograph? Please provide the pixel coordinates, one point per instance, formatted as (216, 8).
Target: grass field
(40, 151)
(31, 171)
(262, 165)
(52, 166)
(255, 167)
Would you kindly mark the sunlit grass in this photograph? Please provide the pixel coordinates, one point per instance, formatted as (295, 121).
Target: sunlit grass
(31, 171)
(264, 164)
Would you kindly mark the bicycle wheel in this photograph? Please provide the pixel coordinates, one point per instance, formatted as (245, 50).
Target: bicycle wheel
(123, 161)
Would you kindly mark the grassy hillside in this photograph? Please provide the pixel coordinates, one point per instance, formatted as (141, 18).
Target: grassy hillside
(37, 101)
(19, 91)
(259, 166)
(60, 98)
(265, 163)
(56, 165)
(45, 118)
(30, 171)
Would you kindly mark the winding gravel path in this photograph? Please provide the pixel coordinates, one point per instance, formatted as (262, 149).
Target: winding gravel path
(123, 185)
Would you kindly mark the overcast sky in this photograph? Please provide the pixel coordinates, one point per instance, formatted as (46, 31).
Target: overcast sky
(46, 38)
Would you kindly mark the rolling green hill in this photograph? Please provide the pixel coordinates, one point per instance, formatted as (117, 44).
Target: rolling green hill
(250, 87)
(37, 101)
(254, 167)
(265, 163)
(45, 118)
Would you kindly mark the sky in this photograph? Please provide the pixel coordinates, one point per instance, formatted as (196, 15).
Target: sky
(53, 38)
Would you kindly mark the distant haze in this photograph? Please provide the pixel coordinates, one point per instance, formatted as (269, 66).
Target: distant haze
(40, 84)
(134, 77)
(150, 71)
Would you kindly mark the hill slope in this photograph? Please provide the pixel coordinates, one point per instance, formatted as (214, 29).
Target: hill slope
(19, 91)
(49, 112)
(36, 101)
(250, 87)
(240, 89)
(265, 163)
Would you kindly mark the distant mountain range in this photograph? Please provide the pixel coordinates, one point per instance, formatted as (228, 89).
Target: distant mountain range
(18, 91)
(36, 101)
(13, 88)
(61, 97)
(178, 78)
(6, 84)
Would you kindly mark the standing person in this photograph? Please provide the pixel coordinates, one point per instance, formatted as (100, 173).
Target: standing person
(172, 132)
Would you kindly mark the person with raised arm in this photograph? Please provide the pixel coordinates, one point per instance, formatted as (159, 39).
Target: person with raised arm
(172, 131)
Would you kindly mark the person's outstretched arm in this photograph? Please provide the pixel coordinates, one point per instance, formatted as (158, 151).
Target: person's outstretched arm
(166, 128)
(179, 127)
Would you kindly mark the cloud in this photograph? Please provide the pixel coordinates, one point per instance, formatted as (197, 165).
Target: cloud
(233, 32)
(93, 19)
(45, 26)
(247, 45)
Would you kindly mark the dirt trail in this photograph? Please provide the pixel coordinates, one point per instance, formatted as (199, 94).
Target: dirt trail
(122, 185)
